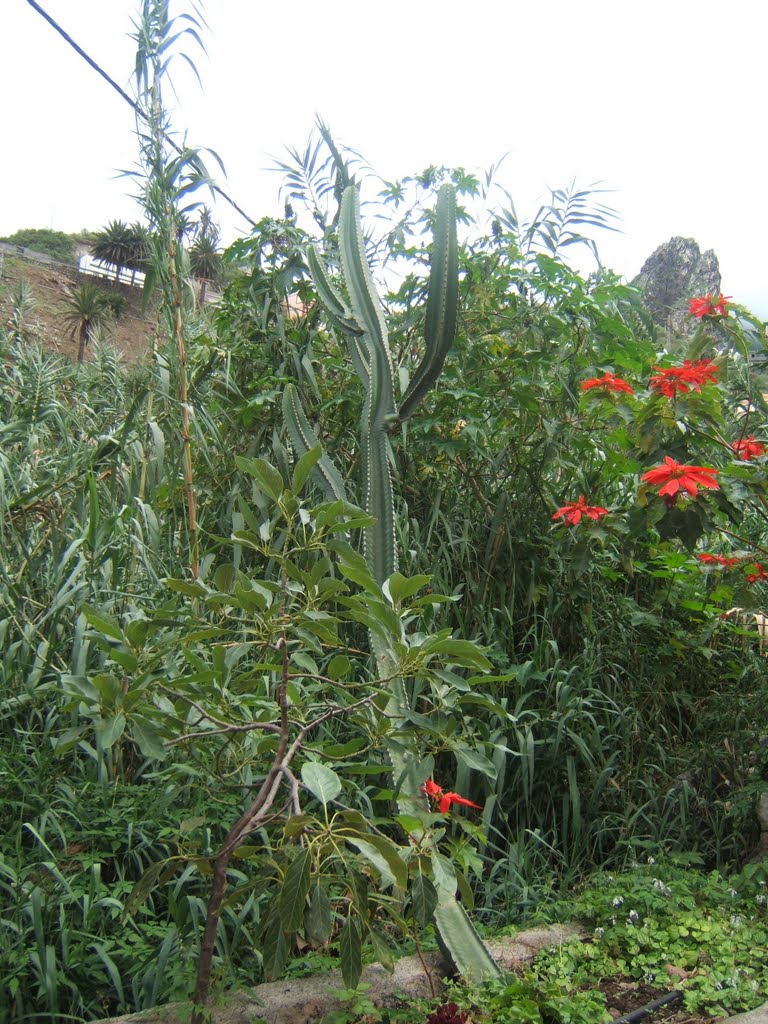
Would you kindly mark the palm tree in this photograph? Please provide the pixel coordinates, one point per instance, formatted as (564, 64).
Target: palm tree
(205, 259)
(88, 309)
(138, 254)
(115, 245)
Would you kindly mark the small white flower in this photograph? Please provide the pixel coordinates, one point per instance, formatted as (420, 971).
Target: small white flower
(761, 899)
(732, 893)
(599, 933)
(651, 860)
(633, 916)
(619, 901)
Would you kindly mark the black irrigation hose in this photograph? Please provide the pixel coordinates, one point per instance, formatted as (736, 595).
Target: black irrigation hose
(666, 999)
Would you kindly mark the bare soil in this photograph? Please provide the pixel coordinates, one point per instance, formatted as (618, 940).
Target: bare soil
(49, 284)
(623, 996)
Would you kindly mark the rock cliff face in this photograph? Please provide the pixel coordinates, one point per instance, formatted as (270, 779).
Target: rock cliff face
(676, 272)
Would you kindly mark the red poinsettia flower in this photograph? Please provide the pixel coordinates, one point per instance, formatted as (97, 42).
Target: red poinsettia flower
(726, 563)
(446, 799)
(608, 382)
(574, 510)
(748, 448)
(758, 575)
(673, 379)
(675, 477)
(708, 305)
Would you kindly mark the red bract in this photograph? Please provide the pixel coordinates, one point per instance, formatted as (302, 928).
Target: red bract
(674, 477)
(708, 305)
(727, 563)
(574, 510)
(673, 379)
(758, 575)
(608, 382)
(453, 798)
(748, 449)
(446, 799)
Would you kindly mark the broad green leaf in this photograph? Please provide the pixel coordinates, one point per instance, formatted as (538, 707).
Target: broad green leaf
(338, 666)
(351, 953)
(224, 577)
(385, 857)
(148, 739)
(424, 900)
(267, 478)
(304, 467)
(136, 633)
(382, 950)
(108, 687)
(460, 652)
(322, 782)
(185, 587)
(277, 946)
(103, 623)
(474, 759)
(296, 824)
(128, 662)
(400, 588)
(109, 730)
(293, 894)
(319, 917)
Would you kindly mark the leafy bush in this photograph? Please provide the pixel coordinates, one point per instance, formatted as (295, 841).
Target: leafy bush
(55, 244)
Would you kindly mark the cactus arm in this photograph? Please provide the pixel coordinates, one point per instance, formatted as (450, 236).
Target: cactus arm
(339, 315)
(366, 307)
(303, 439)
(460, 940)
(442, 303)
(379, 544)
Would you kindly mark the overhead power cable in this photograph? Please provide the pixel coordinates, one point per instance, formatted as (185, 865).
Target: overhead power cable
(124, 95)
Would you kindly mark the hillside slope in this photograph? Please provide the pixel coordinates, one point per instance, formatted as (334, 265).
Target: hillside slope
(49, 283)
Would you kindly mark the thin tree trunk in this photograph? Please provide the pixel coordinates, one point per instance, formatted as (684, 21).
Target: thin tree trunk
(186, 437)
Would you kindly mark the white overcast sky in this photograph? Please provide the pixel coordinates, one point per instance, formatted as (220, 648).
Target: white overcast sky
(663, 101)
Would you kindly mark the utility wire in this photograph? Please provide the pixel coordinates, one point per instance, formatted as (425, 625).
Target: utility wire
(124, 95)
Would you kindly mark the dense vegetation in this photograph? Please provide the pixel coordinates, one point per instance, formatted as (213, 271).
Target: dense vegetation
(56, 244)
(178, 598)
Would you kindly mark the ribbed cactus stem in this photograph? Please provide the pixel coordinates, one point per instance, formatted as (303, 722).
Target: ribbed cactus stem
(379, 409)
(361, 321)
(442, 303)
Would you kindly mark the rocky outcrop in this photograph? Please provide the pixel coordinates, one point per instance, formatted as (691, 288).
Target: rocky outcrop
(307, 1000)
(672, 275)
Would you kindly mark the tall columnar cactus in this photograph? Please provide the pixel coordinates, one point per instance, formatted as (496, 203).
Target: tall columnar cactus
(360, 320)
